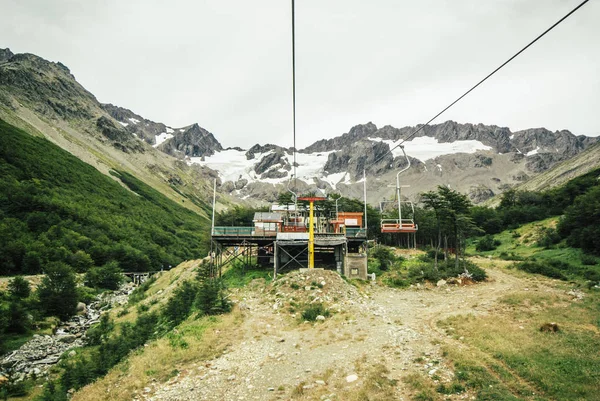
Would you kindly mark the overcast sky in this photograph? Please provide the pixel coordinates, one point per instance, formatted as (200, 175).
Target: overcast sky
(226, 64)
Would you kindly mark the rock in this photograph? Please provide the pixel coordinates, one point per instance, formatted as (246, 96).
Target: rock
(549, 328)
(81, 307)
(351, 378)
(271, 389)
(320, 317)
(320, 382)
(441, 283)
(67, 338)
(231, 378)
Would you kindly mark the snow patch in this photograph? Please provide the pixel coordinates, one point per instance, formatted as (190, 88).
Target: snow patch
(336, 178)
(425, 148)
(232, 165)
(170, 130)
(160, 138)
(533, 152)
(123, 124)
(512, 136)
(133, 120)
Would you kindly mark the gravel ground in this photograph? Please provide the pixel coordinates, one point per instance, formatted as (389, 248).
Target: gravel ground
(279, 355)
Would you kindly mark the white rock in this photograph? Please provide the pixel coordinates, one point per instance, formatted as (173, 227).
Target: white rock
(351, 378)
(320, 382)
(320, 317)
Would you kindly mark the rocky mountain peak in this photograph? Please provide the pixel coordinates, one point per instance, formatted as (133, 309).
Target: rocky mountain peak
(5, 55)
(191, 141)
(356, 133)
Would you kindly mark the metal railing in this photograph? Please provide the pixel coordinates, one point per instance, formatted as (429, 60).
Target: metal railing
(356, 232)
(233, 231)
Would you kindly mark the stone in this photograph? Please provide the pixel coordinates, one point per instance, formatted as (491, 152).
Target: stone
(320, 382)
(441, 283)
(320, 317)
(351, 378)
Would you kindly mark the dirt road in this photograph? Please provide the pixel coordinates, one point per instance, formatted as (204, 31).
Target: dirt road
(374, 331)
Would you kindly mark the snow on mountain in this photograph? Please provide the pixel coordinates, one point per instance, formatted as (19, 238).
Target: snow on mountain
(233, 165)
(425, 148)
(163, 136)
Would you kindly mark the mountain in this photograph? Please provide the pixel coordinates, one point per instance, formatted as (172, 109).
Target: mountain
(56, 208)
(43, 98)
(481, 160)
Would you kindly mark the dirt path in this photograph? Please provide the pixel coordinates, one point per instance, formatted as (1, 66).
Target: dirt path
(278, 356)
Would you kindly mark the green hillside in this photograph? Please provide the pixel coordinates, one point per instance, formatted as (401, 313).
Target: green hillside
(56, 208)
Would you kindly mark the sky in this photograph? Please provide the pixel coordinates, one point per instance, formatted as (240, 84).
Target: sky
(226, 64)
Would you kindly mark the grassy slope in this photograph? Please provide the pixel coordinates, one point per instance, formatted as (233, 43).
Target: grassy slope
(79, 209)
(505, 356)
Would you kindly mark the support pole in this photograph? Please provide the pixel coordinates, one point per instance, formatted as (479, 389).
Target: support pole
(311, 238)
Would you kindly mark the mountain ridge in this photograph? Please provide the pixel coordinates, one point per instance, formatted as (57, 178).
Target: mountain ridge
(482, 160)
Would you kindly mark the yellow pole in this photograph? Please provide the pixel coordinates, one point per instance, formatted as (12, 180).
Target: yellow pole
(311, 239)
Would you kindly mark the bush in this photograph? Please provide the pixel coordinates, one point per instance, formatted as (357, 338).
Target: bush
(385, 257)
(212, 298)
(549, 236)
(19, 288)
(311, 312)
(107, 277)
(487, 243)
(544, 268)
(58, 291)
(588, 260)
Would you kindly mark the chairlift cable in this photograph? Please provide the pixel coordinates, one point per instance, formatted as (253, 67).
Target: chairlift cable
(420, 128)
(294, 91)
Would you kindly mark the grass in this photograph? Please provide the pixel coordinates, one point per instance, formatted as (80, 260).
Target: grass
(521, 245)
(509, 358)
(193, 341)
(236, 276)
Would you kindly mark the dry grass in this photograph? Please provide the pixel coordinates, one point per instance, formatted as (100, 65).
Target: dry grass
(193, 342)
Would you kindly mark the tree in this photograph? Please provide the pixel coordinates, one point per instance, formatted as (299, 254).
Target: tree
(451, 209)
(19, 288)
(57, 292)
(108, 276)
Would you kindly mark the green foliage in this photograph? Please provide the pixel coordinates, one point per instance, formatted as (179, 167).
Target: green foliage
(487, 243)
(238, 216)
(108, 276)
(237, 275)
(211, 298)
(19, 288)
(581, 223)
(100, 332)
(56, 208)
(428, 272)
(139, 293)
(311, 312)
(179, 306)
(548, 268)
(57, 292)
(549, 236)
(385, 257)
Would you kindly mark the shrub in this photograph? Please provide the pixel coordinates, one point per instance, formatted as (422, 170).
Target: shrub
(385, 257)
(487, 243)
(57, 292)
(311, 312)
(19, 288)
(544, 268)
(588, 260)
(212, 298)
(549, 236)
(108, 276)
